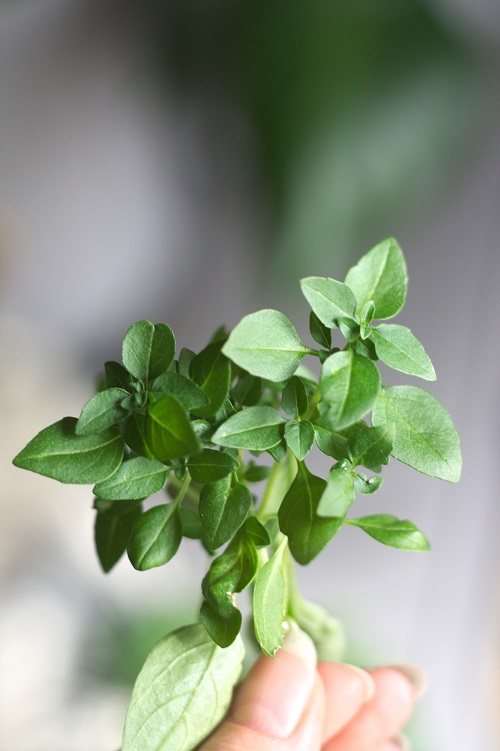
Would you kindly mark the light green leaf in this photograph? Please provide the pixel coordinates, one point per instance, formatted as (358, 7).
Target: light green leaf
(371, 447)
(169, 432)
(156, 537)
(211, 371)
(254, 428)
(399, 349)
(148, 349)
(349, 383)
(425, 437)
(269, 603)
(294, 398)
(367, 485)
(266, 344)
(380, 275)
(224, 506)
(101, 412)
(329, 299)
(338, 495)
(182, 692)
(136, 478)
(59, 453)
(210, 465)
(392, 531)
(307, 532)
(299, 436)
(184, 389)
(112, 532)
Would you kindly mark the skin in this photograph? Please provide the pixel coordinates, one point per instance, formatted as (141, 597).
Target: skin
(290, 703)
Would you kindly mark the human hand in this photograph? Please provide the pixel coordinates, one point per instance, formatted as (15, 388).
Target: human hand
(292, 704)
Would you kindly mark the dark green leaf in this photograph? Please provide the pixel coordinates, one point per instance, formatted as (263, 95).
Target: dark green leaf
(266, 344)
(307, 532)
(210, 465)
(278, 452)
(399, 349)
(269, 603)
(256, 532)
(147, 349)
(425, 437)
(222, 623)
(211, 370)
(136, 478)
(184, 389)
(191, 524)
(117, 376)
(365, 348)
(224, 506)
(59, 453)
(248, 390)
(156, 537)
(331, 441)
(184, 362)
(101, 412)
(319, 332)
(392, 531)
(349, 384)
(133, 430)
(380, 275)
(112, 533)
(162, 350)
(299, 436)
(294, 398)
(371, 447)
(256, 428)
(256, 473)
(338, 495)
(329, 299)
(182, 692)
(169, 432)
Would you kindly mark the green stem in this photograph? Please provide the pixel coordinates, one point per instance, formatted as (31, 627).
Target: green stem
(182, 490)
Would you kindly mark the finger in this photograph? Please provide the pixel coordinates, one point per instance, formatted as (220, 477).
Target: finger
(271, 702)
(381, 717)
(346, 688)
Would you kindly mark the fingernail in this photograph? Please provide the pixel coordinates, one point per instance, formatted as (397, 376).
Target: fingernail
(402, 741)
(273, 697)
(367, 682)
(414, 675)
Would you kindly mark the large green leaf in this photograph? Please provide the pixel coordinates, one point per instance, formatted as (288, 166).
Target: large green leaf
(399, 349)
(59, 453)
(307, 532)
(266, 344)
(211, 371)
(329, 299)
(254, 428)
(371, 447)
(269, 603)
(425, 437)
(182, 692)
(349, 384)
(156, 537)
(210, 465)
(136, 478)
(148, 349)
(101, 412)
(380, 275)
(224, 506)
(169, 432)
(388, 529)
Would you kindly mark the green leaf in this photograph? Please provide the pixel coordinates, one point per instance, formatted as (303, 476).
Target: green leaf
(184, 362)
(256, 532)
(59, 453)
(156, 537)
(224, 506)
(148, 349)
(331, 441)
(112, 532)
(256, 472)
(380, 275)
(307, 532)
(255, 428)
(266, 344)
(136, 478)
(133, 430)
(169, 432)
(182, 692)
(188, 393)
(191, 524)
(366, 485)
(349, 383)
(101, 412)
(392, 531)
(211, 371)
(425, 437)
(399, 349)
(329, 299)
(117, 376)
(294, 398)
(210, 465)
(248, 390)
(338, 495)
(326, 632)
(299, 436)
(319, 332)
(371, 447)
(269, 603)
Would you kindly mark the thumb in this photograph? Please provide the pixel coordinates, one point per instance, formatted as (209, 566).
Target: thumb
(280, 700)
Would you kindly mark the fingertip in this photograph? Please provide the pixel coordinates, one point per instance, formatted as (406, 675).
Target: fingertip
(347, 688)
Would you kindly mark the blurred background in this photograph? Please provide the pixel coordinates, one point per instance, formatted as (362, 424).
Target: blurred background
(188, 161)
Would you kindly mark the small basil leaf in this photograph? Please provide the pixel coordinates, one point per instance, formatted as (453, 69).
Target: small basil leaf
(156, 537)
(319, 332)
(299, 436)
(211, 371)
(338, 495)
(350, 385)
(224, 506)
(392, 531)
(101, 412)
(136, 478)
(184, 389)
(210, 465)
(112, 533)
(371, 447)
(399, 349)
(256, 428)
(184, 362)
(117, 376)
(366, 485)
(169, 432)
(133, 430)
(269, 603)
(148, 350)
(256, 532)
(329, 299)
(294, 398)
